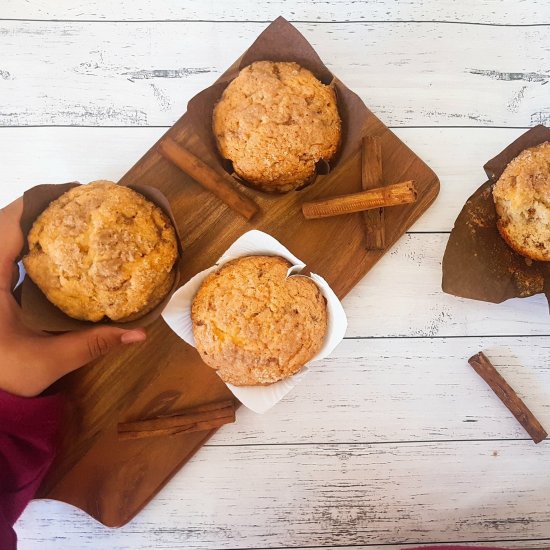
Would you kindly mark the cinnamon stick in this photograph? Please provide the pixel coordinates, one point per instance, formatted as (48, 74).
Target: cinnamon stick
(219, 185)
(391, 195)
(195, 419)
(481, 364)
(371, 178)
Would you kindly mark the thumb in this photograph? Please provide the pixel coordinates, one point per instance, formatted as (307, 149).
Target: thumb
(72, 350)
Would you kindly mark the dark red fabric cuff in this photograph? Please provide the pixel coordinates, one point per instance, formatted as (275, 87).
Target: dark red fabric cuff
(29, 430)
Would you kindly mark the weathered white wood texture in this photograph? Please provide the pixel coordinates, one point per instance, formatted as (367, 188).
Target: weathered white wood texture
(393, 440)
(505, 12)
(401, 296)
(143, 74)
(391, 390)
(288, 496)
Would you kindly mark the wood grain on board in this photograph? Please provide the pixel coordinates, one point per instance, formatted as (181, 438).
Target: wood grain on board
(112, 479)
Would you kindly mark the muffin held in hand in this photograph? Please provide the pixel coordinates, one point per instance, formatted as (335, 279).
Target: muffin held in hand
(522, 200)
(254, 325)
(275, 121)
(102, 251)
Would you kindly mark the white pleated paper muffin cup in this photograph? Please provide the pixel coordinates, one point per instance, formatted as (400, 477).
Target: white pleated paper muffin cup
(177, 315)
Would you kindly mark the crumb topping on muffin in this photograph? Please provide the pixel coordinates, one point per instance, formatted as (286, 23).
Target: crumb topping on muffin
(522, 201)
(275, 121)
(254, 324)
(102, 251)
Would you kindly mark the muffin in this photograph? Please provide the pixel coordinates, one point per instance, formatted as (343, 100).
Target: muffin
(102, 251)
(522, 201)
(275, 121)
(255, 325)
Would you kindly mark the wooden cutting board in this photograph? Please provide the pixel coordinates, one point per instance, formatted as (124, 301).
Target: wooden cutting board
(111, 479)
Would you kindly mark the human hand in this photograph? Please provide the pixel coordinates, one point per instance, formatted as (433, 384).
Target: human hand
(30, 360)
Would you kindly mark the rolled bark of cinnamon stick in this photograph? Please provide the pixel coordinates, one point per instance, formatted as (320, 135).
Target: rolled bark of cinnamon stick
(371, 178)
(196, 419)
(216, 183)
(481, 364)
(391, 195)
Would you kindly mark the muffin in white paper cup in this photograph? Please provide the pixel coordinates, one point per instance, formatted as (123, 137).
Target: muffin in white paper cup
(177, 315)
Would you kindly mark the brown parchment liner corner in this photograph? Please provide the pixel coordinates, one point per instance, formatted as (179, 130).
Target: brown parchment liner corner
(478, 264)
(38, 312)
(280, 41)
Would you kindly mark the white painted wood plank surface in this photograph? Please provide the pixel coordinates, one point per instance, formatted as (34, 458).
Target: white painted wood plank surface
(143, 74)
(402, 296)
(394, 439)
(65, 154)
(540, 544)
(323, 495)
(395, 390)
(510, 12)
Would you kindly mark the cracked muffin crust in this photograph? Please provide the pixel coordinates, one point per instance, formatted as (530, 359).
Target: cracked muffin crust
(275, 121)
(522, 201)
(254, 325)
(102, 251)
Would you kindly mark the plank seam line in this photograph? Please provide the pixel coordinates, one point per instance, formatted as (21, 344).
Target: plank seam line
(267, 21)
(352, 444)
(450, 336)
(362, 545)
(111, 126)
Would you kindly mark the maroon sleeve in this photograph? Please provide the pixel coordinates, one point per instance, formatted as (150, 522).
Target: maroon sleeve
(29, 430)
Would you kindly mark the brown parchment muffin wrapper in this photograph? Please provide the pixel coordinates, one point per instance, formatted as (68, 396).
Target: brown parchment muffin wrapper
(38, 312)
(280, 41)
(478, 264)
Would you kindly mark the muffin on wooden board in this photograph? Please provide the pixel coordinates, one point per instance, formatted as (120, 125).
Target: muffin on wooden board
(275, 121)
(255, 325)
(522, 201)
(102, 251)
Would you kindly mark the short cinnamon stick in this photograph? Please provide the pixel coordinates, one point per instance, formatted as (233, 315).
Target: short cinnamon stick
(391, 195)
(481, 364)
(216, 183)
(196, 419)
(371, 178)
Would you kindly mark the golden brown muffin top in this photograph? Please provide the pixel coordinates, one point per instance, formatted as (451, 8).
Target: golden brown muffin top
(102, 250)
(255, 325)
(274, 121)
(522, 201)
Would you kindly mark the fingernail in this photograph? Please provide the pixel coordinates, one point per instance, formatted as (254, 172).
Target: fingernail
(133, 336)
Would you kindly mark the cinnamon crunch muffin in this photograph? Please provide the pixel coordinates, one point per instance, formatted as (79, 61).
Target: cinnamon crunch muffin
(522, 201)
(275, 121)
(102, 251)
(254, 325)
